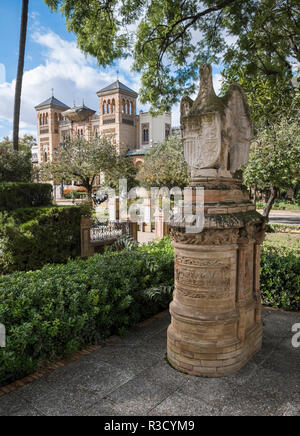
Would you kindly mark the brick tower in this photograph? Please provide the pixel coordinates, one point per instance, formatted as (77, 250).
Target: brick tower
(117, 115)
(49, 115)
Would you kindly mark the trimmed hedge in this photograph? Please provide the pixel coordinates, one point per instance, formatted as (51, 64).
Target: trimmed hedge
(33, 237)
(280, 277)
(16, 195)
(54, 312)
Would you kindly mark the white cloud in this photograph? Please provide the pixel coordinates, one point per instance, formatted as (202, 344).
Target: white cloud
(73, 76)
(2, 73)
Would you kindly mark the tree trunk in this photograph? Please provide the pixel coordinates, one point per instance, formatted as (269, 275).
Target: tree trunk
(19, 80)
(270, 202)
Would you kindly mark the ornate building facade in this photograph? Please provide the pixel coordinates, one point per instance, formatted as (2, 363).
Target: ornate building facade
(133, 134)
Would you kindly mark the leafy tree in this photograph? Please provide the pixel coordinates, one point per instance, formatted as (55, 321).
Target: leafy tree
(19, 80)
(15, 166)
(170, 38)
(268, 97)
(123, 169)
(274, 162)
(81, 160)
(25, 143)
(165, 165)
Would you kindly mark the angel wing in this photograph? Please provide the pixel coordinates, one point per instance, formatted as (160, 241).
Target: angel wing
(239, 126)
(186, 104)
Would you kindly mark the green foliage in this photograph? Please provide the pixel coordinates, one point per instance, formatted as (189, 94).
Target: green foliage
(25, 144)
(280, 276)
(165, 165)
(283, 228)
(268, 96)
(123, 169)
(18, 195)
(280, 238)
(170, 38)
(81, 160)
(160, 294)
(123, 242)
(32, 237)
(281, 204)
(74, 194)
(274, 161)
(15, 166)
(56, 311)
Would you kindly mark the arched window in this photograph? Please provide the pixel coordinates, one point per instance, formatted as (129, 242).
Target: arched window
(47, 118)
(123, 106)
(127, 107)
(113, 105)
(104, 107)
(45, 156)
(41, 120)
(131, 108)
(145, 133)
(108, 106)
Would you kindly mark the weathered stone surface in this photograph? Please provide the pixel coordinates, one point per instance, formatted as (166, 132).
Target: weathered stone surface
(216, 322)
(216, 131)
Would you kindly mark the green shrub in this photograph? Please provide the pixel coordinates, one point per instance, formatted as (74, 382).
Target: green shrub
(56, 311)
(17, 195)
(32, 237)
(282, 228)
(280, 204)
(75, 195)
(280, 277)
(15, 166)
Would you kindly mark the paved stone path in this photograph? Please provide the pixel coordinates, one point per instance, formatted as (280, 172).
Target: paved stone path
(131, 377)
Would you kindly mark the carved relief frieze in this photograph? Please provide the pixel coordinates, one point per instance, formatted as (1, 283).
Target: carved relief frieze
(207, 237)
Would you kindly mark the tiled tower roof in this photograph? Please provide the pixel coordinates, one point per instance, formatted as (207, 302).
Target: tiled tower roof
(116, 85)
(52, 101)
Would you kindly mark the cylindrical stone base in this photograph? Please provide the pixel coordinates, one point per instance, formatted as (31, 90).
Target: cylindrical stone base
(216, 311)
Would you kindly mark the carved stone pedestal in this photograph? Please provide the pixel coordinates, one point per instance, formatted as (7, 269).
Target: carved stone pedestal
(216, 311)
(216, 322)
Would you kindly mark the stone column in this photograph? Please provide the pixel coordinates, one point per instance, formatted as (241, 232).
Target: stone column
(216, 311)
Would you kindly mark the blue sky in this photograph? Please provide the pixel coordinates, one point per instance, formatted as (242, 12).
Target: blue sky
(52, 61)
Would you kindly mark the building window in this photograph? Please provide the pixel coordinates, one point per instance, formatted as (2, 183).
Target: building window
(46, 118)
(113, 106)
(108, 106)
(45, 156)
(145, 133)
(123, 107)
(104, 107)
